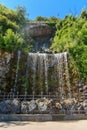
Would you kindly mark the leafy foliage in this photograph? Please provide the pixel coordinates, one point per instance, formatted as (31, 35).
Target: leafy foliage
(71, 36)
(10, 23)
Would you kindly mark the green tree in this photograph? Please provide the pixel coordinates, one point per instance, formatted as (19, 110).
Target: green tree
(12, 41)
(71, 36)
(11, 23)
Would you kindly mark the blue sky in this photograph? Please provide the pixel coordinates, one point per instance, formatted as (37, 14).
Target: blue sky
(58, 8)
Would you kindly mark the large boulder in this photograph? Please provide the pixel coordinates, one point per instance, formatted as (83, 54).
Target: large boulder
(32, 105)
(69, 105)
(38, 29)
(42, 107)
(10, 106)
(58, 106)
(27, 107)
(43, 104)
(24, 107)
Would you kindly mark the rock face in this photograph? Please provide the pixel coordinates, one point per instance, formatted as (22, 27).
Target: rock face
(5, 58)
(38, 29)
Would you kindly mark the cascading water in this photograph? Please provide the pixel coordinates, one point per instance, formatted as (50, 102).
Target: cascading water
(46, 72)
(59, 69)
(41, 69)
(34, 63)
(67, 74)
(27, 73)
(17, 69)
(45, 69)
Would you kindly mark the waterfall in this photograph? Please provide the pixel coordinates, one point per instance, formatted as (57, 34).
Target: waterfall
(67, 73)
(17, 69)
(59, 68)
(27, 75)
(41, 71)
(43, 67)
(46, 72)
(33, 58)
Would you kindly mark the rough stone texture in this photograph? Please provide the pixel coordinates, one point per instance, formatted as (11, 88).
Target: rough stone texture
(32, 105)
(68, 103)
(28, 107)
(58, 105)
(40, 35)
(38, 29)
(10, 106)
(85, 105)
(43, 104)
(24, 107)
(5, 58)
(40, 105)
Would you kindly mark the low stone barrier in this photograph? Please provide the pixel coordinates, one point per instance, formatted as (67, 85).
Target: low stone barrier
(41, 117)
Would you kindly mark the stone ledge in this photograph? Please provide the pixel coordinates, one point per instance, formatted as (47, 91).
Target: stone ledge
(41, 117)
(25, 117)
(38, 29)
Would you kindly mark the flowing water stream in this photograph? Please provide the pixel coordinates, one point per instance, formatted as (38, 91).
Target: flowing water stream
(44, 69)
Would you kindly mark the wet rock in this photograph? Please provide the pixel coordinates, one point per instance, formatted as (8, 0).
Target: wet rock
(10, 106)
